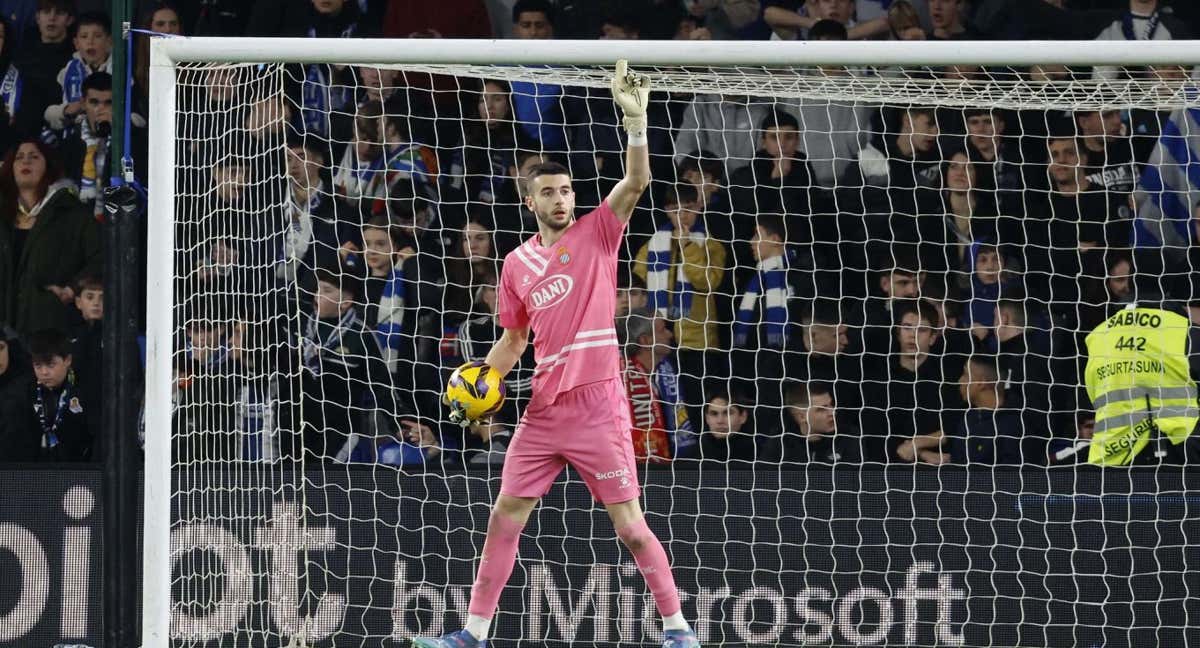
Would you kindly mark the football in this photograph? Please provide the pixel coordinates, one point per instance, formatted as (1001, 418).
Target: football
(475, 389)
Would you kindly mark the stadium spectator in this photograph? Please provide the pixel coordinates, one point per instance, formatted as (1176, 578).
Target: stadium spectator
(793, 18)
(308, 18)
(662, 427)
(473, 266)
(93, 49)
(989, 432)
(18, 442)
(904, 23)
(405, 160)
(970, 218)
(314, 233)
(631, 294)
(161, 18)
(683, 267)
(538, 106)
(12, 91)
(831, 132)
(1143, 20)
(723, 20)
(56, 411)
(47, 239)
(724, 125)
(728, 437)
(813, 431)
(1023, 355)
(41, 59)
(475, 339)
(384, 255)
(359, 173)
(914, 395)
(87, 342)
(996, 159)
(989, 279)
(707, 174)
(411, 443)
(760, 327)
(947, 19)
(491, 139)
(820, 352)
(1106, 150)
(900, 277)
(897, 177)
(208, 387)
(449, 19)
(86, 150)
(776, 182)
(342, 376)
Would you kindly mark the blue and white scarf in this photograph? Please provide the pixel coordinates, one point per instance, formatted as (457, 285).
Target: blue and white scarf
(75, 72)
(11, 89)
(389, 328)
(771, 284)
(666, 380)
(318, 94)
(313, 348)
(677, 303)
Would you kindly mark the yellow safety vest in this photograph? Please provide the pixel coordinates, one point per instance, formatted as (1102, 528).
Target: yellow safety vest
(1139, 381)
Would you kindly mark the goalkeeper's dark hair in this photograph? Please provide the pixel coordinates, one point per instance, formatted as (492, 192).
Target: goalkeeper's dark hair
(547, 168)
(779, 118)
(828, 30)
(536, 6)
(98, 81)
(47, 344)
(681, 193)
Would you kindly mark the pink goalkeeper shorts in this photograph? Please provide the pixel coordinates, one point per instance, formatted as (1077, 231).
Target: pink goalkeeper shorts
(587, 427)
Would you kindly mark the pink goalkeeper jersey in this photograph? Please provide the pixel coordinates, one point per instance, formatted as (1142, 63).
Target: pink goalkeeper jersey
(567, 294)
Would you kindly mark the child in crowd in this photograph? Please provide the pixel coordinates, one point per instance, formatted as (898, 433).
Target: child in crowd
(56, 410)
(93, 50)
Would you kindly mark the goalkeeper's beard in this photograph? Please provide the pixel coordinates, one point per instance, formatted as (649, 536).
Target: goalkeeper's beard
(551, 222)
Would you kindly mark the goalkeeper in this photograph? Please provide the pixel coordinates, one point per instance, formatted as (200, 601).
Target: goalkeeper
(562, 284)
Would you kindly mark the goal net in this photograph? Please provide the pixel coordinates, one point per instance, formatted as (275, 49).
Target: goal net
(852, 312)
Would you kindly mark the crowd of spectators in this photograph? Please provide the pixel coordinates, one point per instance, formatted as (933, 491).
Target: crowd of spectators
(807, 281)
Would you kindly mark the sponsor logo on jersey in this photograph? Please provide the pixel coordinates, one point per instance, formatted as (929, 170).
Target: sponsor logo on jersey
(613, 474)
(550, 291)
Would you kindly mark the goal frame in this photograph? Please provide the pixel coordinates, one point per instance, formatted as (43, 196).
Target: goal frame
(166, 54)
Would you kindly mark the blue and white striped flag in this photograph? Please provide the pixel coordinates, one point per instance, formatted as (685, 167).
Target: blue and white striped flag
(1170, 184)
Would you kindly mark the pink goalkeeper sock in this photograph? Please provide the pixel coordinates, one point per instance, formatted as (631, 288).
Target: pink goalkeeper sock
(651, 560)
(495, 565)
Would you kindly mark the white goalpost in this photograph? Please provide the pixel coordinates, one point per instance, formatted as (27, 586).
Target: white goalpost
(327, 221)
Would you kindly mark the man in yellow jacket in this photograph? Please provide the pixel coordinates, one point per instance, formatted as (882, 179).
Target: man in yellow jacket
(1139, 379)
(682, 268)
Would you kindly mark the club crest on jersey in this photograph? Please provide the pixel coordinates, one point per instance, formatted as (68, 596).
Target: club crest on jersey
(564, 257)
(550, 291)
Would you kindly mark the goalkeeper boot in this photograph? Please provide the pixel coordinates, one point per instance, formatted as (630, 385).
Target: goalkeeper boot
(459, 639)
(680, 639)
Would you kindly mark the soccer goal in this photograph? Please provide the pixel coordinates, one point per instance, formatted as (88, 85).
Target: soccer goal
(853, 305)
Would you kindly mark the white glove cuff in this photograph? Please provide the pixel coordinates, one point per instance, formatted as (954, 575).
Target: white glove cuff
(636, 128)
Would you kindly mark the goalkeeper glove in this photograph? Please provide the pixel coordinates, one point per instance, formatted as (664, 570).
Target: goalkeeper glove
(631, 91)
(458, 414)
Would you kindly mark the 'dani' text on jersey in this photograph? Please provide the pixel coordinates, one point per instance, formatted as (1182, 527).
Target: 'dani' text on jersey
(566, 293)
